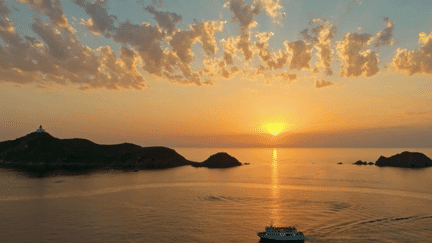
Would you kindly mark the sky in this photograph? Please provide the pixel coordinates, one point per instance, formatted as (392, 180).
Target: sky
(218, 73)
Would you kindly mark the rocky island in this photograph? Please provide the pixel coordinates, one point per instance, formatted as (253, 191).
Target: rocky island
(40, 154)
(359, 162)
(219, 160)
(406, 160)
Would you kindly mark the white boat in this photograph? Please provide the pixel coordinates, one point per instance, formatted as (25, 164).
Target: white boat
(281, 234)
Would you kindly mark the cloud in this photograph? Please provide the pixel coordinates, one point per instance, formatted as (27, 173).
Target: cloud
(55, 54)
(301, 54)
(52, 8)
(166, 20)
(60, 58)
(4, 10)
(415, 61)
(217, 68)
(356, 63)
(272, 60)
(385, 36)
(99, 21)
(273, 9)
(182, 42)
(321, 83)
(206, 32)
(146, 39)
(229, 48)
(321, 38)
(287, 77)
(244, 13)
(166, 52)
(245, 47)
(172, 63)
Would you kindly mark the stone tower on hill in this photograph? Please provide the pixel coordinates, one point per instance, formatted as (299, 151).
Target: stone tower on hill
(40, 130)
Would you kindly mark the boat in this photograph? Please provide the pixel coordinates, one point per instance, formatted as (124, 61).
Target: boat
(281, 234)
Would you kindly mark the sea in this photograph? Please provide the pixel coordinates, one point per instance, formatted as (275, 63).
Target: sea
(301, 187)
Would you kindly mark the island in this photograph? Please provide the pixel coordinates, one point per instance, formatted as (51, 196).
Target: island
(39, 154)
(219, 160)
(406, 160)
(359, 162)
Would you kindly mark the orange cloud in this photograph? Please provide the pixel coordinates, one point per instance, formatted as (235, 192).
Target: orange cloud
(272, 60)
(355, 63)
(166, 52)
(415, 61)
(52, 8)
(99, 21)
(273, 9)
(166, 20)
(385, 36)
(60, 58)
(301, 54)
(321, 38)
(244, 13)
(216, 68)
(321, 83)
(288, 77)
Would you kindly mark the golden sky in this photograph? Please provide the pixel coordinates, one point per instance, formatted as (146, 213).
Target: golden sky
(218, 73)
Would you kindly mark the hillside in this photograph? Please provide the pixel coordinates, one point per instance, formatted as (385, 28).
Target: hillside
(41, 153)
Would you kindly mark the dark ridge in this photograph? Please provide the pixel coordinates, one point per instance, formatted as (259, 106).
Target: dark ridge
(40, 154)
(405, 160)
(219, 160)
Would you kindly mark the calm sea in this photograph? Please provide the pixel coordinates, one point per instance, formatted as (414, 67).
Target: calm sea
(305, 188)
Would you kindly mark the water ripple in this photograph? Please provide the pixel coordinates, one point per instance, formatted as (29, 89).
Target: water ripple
(389, 192)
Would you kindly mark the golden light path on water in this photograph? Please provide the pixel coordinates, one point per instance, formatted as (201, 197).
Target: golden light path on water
(275, 190)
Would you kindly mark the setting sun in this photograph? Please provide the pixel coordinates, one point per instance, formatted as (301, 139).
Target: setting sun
(275, 128)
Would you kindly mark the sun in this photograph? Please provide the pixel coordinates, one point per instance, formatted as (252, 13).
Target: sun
(275, 128)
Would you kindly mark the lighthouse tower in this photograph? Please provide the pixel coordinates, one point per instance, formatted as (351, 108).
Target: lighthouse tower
(40, 130)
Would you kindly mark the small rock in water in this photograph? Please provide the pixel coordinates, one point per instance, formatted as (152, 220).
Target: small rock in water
(359, 162)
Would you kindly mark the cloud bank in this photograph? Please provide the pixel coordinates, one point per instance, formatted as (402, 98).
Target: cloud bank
(54, 53)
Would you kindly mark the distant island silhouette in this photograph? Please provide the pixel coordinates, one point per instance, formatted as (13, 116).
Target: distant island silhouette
(405, 159)
(40, 154)
(219, 160)
(359, 162)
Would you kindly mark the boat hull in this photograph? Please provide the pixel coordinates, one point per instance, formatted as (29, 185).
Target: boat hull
(265, 238)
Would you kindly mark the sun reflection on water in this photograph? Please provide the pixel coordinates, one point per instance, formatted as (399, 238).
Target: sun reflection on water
(275, 190)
